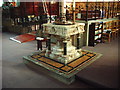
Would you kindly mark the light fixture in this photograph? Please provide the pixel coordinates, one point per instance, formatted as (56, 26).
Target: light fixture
(52, 2)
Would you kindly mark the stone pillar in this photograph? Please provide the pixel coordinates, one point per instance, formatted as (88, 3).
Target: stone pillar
(49, 43)
(65, 47)
(78, 42)
(73, 11)
(62, 10)
(74, 40)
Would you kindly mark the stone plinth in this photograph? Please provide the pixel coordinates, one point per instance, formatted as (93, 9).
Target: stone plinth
(63, 51)
(60, 71)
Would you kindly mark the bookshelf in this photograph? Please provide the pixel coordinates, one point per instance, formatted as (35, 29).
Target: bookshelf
(95, 33)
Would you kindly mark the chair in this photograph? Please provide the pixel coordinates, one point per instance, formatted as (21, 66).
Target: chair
(106, 36)
(115, 33)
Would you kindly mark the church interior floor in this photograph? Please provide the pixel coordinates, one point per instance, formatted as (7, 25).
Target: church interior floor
(15, 74)
(104, 71)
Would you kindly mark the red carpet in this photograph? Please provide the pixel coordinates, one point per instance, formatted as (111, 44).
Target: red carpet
(23, 38)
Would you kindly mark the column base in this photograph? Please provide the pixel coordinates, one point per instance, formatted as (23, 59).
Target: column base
(52, 74)
(58, 56)
(62, 72)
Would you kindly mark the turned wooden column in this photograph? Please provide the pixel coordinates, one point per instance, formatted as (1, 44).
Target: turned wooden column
(87, 11)
(102, 10)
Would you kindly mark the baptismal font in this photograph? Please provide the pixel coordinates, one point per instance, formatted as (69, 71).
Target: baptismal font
(63, 51)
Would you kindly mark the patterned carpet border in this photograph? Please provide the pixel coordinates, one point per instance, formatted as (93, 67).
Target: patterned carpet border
(68, 69)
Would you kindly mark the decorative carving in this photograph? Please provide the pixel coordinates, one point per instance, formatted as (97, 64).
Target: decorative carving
(63, 51)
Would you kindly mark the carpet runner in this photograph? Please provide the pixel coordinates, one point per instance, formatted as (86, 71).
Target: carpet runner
(24, 38)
